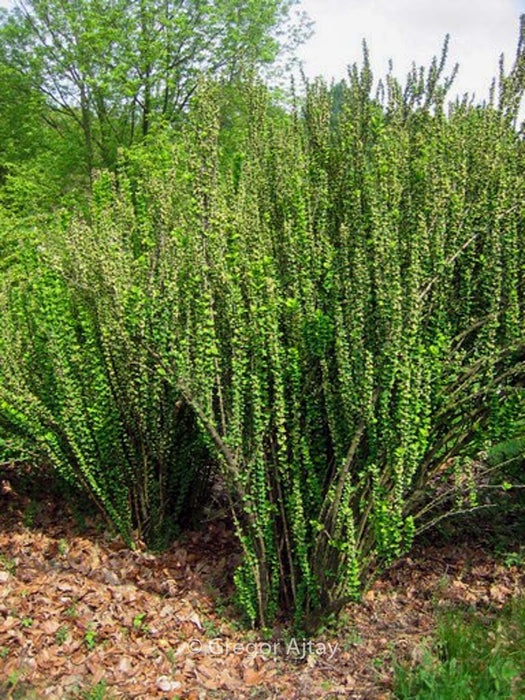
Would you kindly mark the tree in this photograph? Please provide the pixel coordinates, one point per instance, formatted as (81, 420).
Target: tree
(114, 67)
(41, 152)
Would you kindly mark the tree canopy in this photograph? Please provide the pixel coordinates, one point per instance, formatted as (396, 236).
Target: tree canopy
(113, 67)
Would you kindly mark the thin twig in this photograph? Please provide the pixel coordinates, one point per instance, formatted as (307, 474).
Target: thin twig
(451, 514)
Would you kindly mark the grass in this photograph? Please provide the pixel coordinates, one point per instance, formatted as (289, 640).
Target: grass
(90, 638)
(471, 657)
(8, 564)
(16, 689)
(97, 692)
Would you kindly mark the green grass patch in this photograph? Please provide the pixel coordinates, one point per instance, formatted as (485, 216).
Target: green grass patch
(471, 657)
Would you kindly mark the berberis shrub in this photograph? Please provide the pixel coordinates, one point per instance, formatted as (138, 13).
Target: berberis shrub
(328, 307)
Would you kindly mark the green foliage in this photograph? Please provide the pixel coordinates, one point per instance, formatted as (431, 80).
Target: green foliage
(61, 635)
(41, 157)
(471, 658)
(138, 620)
(97, 692)
(508, 455)
(330, 306)
(79, 391)
(103, 73)
(90, 639)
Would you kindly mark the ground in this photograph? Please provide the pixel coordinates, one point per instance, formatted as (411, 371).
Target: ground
(82, 616)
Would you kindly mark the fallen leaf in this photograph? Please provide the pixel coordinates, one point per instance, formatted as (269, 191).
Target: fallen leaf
(124, 665)
(49, 626)
(195, 619)
(251, 676)
(167, 685)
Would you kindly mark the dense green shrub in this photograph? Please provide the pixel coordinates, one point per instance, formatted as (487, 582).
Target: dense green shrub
(334, 312)
(76, 383)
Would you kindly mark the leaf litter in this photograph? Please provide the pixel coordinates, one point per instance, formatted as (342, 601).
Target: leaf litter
(79, 609)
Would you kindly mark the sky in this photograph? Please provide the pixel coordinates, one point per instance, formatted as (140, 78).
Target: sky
(413, 30)
(407, 30)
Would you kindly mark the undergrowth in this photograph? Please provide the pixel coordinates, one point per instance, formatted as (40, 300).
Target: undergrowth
(473, 656)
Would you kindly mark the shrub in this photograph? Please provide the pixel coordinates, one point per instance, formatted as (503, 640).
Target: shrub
(335, 312)
(76, 385)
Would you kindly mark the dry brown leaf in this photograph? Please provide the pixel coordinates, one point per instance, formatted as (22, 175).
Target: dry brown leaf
(8, 624)
(210, 683)
(195, 619)
(167, 685)
(49, 626)
(167, 611)
(124, 665)
(499, 592)
(251, 676)
(64, 586)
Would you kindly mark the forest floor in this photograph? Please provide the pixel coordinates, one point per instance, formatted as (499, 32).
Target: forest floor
(82, 616)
